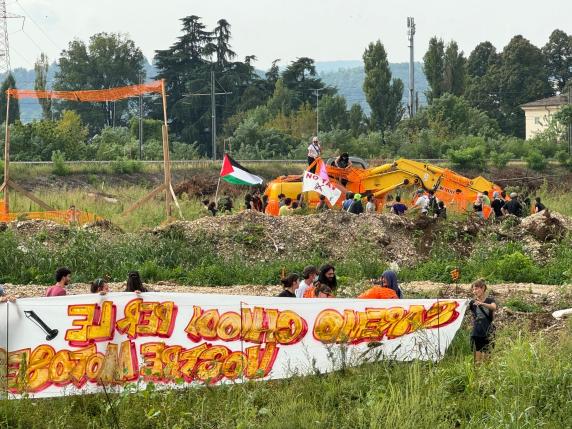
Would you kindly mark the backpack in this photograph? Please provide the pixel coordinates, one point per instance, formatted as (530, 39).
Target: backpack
(433, 205)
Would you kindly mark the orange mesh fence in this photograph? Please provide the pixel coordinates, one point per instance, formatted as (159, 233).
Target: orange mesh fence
(63, 217)
(99, 95)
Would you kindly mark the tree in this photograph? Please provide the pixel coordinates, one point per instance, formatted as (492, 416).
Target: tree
(357, 120)
(300, 77)
(434, 67)
(40, 84)
(221, 44)
(9, 83)
(333, 113)
(453, 70)
(481, 59)
(522, 77)
(109, 60)
(381, 92)
(558, 53)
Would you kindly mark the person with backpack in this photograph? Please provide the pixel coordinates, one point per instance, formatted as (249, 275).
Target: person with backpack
(348, 201)
(432, 204)
(482, 308)
(356, 207)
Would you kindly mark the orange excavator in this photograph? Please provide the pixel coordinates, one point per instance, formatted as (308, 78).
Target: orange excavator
(402, 177)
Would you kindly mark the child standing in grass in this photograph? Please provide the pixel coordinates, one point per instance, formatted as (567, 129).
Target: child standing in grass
(483, 309)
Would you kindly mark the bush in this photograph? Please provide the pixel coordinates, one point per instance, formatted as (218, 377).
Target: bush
(536, 161)
(59, 164)
(500, 160)
(126, 166)
(469, 157)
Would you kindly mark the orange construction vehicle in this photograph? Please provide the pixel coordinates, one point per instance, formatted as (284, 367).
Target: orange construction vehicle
(402, 177)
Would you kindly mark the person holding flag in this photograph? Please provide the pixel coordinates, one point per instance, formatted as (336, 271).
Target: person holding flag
(233, 172)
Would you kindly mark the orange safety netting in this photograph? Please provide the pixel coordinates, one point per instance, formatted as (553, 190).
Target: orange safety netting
(98, 95)
(63, 217)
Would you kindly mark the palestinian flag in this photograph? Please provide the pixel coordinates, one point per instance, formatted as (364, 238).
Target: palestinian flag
(233, 172)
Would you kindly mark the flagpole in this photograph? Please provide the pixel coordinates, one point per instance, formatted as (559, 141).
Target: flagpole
(216, 193)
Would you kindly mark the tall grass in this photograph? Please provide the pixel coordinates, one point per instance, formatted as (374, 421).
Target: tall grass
(526, 384)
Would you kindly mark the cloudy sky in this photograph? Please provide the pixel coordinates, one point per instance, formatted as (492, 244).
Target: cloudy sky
(325, 30)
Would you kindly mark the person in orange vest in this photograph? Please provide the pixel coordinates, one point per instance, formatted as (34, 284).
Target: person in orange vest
(385, 287)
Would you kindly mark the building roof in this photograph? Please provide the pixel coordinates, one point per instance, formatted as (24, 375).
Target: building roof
(557, 100)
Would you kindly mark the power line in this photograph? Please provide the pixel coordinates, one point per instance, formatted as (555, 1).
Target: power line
(37, 25)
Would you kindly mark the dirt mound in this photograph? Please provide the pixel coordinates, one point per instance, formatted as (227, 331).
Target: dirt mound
(32, 227)
(544, 226)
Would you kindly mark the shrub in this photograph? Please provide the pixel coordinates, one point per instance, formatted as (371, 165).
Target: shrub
(516, 267)
(469, 157)
(126, 166)
(59, 164)
(536, 161)
(500, 160)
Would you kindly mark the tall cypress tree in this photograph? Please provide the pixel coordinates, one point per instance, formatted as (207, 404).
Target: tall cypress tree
(382, 93)
(9, 83)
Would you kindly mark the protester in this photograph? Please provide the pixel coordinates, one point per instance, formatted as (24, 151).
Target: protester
(442, 210)
(482, 309)
(301, 202)
(389, 279)
(99, 286)
(290, 284)
(327, 276)
(513, 207)
(370, 206)
(323, 291)
(322, 206)
(432, 204)
(295, 206)
(309, 274)
(398, 207)
(422, 202)
(248, 204)
(63, 278)
(281, 200)
(486, 199)
(286, 210)
(212, 208)
(4, 297)
(378, 291)
(225, 203)
(134, 283)
(497, 205)
(314, 151)
(478, 206)
(206, 205)
(538, 206)
(348, 201)
(256, 201)
(356, 207)
(343, 161)
(264, 203)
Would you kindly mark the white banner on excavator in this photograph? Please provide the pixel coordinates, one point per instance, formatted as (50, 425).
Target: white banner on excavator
(313, 182)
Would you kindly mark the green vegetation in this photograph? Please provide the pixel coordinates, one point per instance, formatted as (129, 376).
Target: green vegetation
(526, 384)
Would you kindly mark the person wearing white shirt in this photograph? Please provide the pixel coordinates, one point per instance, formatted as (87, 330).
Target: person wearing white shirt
(310, 273)
(314, 151)
(422, 203)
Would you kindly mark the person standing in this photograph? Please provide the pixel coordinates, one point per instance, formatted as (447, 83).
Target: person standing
(134, 283)
(513, 207)
(422, 202)
(497, 205)
(348, 201)
(290, 284)
(356, 207)
(99, 286)
(63, 278)
(398, 207)
(322, 206)
(482, 308)
(314, 151)
(286, 210)
(309, 274)
(538, 206)
(478, 206)
(370, 206)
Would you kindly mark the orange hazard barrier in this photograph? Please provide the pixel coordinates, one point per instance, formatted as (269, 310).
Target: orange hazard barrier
(99, 95)
(63, 216)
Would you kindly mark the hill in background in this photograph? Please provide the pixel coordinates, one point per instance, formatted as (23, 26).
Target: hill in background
(347, 76)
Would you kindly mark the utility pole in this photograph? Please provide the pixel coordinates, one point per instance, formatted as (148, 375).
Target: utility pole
(411, 35)
(213, 115)
(140, 120)
(212, 94)
(317, 92)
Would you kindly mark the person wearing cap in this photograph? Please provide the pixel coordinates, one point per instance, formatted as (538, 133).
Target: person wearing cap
(356, 207)
(497, 205)
(422, 202)
(314, 151)
(513, 207)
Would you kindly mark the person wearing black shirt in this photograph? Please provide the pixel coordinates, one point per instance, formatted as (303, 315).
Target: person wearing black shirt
(290, 284)
(497, 205)
(513, 207)
(538, 206)
(482, 308)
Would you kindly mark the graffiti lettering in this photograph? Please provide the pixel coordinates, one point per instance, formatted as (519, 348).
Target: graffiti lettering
(260, 325)
(375, 324)
(145, 319)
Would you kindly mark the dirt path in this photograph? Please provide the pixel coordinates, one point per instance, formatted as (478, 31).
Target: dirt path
(426, 288)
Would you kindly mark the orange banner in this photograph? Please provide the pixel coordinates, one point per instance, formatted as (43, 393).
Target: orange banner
(99, 95)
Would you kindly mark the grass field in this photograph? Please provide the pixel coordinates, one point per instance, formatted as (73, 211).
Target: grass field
(526, 384)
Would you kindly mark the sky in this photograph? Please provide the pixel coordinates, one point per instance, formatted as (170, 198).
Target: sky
(326, 30)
